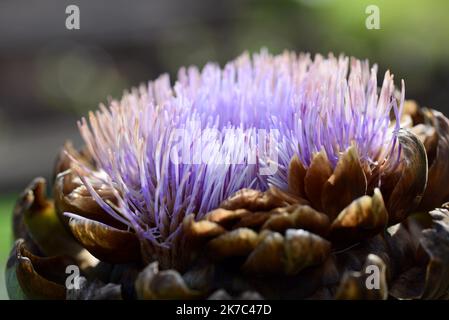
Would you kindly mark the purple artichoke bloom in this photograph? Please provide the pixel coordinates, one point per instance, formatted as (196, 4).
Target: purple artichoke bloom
(159, 176)
(275, 176)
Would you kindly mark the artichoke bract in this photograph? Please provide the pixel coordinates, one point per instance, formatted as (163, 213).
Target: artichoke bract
(274, 177)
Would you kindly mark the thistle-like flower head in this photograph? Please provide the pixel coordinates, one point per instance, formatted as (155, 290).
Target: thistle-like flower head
(274, 177)
(167, 151)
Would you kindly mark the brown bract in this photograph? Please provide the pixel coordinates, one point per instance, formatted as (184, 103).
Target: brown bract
(432, 128)
(102, 235)
(36, 221)
(424, 273)
(403, 187)
(368, 284)
(363, 218)
(347, 182)
(153, 283)
(105, 242)
(35, 277)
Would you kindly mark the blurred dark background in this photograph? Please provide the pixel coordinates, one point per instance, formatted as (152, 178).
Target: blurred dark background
(51, 76)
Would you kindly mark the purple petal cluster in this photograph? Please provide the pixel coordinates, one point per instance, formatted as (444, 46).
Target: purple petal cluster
(173, 150)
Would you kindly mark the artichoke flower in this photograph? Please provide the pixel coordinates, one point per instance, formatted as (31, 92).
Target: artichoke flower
(274, 177)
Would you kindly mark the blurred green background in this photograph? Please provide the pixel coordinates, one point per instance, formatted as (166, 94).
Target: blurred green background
(6, 205)
(51, 76)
